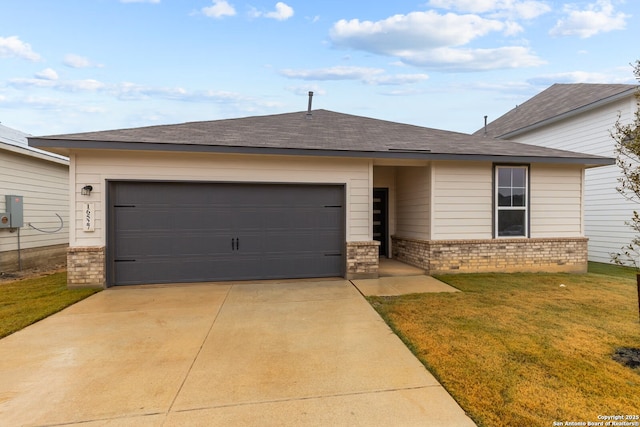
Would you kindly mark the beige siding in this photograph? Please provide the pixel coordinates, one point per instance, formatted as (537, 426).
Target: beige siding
(95, 168)
(413, 202)
(462, 200)
(556, 201)
(44, 186)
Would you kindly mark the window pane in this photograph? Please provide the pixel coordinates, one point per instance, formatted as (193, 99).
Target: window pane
(511, 223)
(504, 177)
(518, 177)
(504, 197)
(518, 197)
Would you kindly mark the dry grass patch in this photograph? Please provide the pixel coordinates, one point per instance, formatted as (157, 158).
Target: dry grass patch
(520, 349)
(23, 302)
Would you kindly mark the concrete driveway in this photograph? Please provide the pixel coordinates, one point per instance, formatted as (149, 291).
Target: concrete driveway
(298, 353)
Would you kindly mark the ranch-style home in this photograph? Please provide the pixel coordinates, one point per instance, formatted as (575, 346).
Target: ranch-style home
(311, 194)
(580, 117)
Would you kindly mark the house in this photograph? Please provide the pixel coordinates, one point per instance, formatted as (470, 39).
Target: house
(581, 117)
(34, 184)
(312, 194)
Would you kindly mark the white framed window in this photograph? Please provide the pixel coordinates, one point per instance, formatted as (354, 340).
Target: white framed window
(511, 211)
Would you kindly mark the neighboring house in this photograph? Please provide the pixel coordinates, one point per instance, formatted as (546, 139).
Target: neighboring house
(312, 194)
(41, 236)
(581, 117)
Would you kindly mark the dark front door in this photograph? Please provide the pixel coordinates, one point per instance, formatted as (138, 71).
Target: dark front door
(165, 232)
(380, 226)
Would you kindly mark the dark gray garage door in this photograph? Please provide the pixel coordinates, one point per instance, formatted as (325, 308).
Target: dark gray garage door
(193, 232)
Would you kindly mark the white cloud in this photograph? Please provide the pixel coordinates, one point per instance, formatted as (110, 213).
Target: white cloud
(527, 9)
(219, 9)
(77, 61)
(575, 77)
(13, 47)
(374, 76)
(47, 74)
(304, 90)
(428, 39)
(88, 85)
(476, 59)
(414, 31)
(333, 73)
(282, 12)
(598, 17)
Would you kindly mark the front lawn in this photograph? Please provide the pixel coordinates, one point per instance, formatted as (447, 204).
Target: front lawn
(527, 349)
(26, 301)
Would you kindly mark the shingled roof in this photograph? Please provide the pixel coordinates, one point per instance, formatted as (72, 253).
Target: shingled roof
(556, 102)
(324, 133)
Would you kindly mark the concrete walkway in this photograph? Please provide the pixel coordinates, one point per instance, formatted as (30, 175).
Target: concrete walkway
(294, 353)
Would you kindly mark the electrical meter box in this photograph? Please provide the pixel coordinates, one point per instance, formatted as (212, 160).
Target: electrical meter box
(14, 206)
(5, 220)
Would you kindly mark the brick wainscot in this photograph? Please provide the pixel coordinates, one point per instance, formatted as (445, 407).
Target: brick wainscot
(567, 255)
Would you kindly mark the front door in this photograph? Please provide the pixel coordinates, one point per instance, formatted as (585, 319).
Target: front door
(380, 207)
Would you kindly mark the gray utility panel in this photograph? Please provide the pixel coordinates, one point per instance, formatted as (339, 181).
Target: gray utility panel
(171, 232)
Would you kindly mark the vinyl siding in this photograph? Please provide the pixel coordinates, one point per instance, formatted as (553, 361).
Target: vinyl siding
(462, 200)
(605, 210)
(556, 201)
(95, 168)
(413, 202)
(44, 186)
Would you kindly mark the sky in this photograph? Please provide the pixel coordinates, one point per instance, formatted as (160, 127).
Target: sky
(70, 66)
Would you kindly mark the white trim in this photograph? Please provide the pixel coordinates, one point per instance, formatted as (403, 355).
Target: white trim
(497, 208)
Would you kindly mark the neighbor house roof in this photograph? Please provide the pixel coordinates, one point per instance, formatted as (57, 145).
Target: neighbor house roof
(15, 141)
(321, 132)
(558, 102)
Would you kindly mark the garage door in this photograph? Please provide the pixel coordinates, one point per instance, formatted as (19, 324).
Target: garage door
(194, 232)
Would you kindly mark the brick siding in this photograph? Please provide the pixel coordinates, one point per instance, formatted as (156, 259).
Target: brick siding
(497, 255)
(86, 267)
(362, 260)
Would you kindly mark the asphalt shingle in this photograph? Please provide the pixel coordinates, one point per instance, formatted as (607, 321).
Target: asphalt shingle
(555, 101)
(325, 131)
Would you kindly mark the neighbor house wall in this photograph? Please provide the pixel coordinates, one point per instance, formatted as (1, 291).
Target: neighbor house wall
(44, 186)
(605, 210)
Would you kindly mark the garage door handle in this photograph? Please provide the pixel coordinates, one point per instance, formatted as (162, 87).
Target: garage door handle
(233, 244)
(238, 244)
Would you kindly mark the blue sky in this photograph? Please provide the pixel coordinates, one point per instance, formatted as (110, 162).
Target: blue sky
(83, 65)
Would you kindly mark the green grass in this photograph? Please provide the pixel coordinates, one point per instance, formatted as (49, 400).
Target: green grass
(24, 302)
(521, 349)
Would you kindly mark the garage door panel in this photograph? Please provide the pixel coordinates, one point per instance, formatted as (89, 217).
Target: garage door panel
(186, 232)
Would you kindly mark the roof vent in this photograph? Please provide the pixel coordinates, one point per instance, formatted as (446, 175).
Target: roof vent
(485, 125)
(309, 115)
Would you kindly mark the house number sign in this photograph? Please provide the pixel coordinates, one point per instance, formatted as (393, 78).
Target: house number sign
(88, 219)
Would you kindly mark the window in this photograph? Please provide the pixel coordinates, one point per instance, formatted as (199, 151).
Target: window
(512, 200)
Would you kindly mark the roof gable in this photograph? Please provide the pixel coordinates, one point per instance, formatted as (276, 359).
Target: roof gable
(323, 133)
(554, 102)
